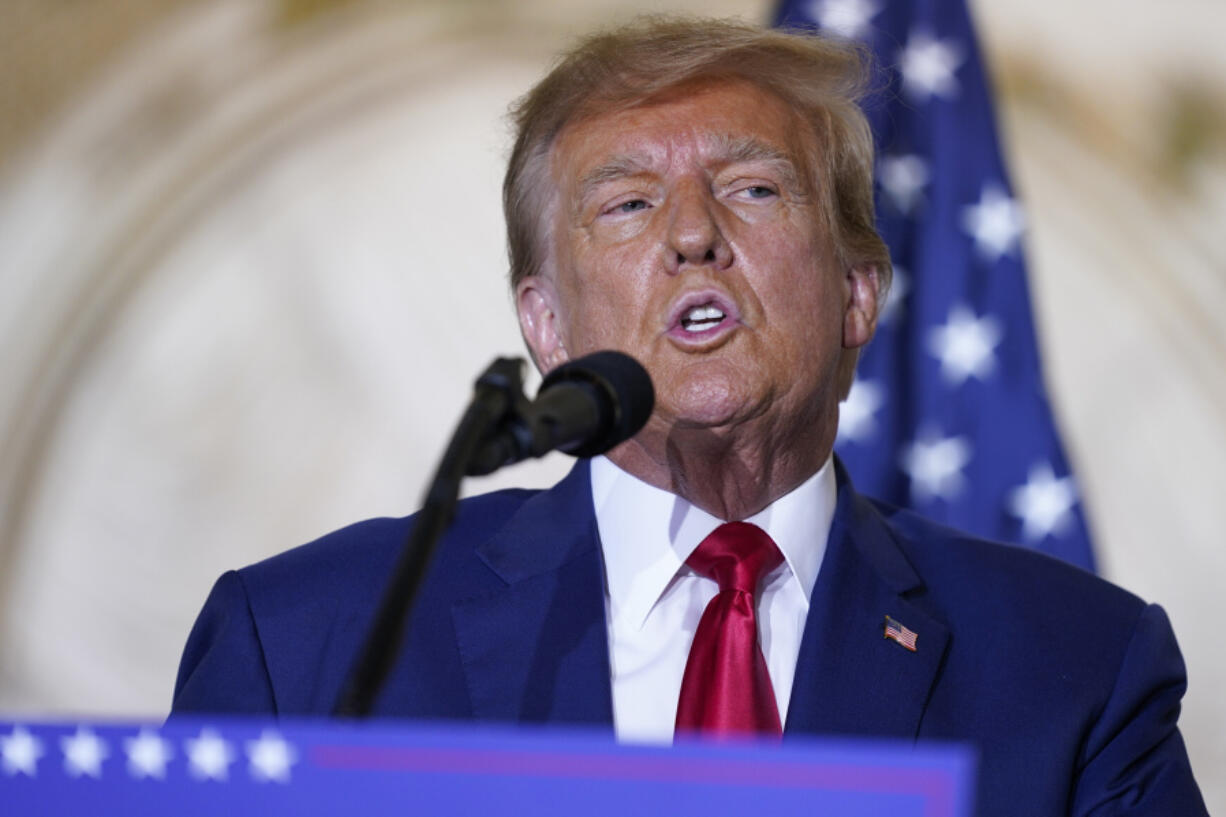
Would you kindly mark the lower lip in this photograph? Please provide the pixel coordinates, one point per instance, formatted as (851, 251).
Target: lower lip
(683, 335)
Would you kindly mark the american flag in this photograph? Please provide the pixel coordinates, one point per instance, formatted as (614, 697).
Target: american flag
(948, 414)
(900, 633)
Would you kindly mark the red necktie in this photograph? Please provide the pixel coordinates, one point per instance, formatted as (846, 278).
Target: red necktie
(727, 688)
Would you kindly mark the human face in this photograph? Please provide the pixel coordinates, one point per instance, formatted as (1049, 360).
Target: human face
(686, 233)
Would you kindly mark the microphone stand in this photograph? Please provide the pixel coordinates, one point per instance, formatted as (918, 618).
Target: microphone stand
(497, 393)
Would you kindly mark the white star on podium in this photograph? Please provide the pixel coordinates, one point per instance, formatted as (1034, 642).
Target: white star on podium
(271, 757)
(148, 755)
(208, 756)
(83, 753)
(20, 752)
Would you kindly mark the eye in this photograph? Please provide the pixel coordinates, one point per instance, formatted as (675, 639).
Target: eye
(759, 191)
(632, 206)
(629, 206)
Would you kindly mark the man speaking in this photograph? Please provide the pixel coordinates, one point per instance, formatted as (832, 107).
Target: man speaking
(698, 195)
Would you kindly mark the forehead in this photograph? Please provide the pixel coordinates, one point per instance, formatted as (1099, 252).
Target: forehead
(723, 120)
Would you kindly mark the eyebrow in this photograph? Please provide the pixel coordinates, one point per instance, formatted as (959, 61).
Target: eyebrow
(747, 149)
(731, 150)
(618, 167)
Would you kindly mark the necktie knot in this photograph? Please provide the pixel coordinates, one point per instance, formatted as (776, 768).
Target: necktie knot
(737, 555)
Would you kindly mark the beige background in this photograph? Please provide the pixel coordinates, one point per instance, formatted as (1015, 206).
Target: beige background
(251, 258)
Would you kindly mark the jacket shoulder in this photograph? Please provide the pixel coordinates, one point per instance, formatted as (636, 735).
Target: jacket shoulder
(1069, 685)
(357, 559)
(976, 572)
(279, 635)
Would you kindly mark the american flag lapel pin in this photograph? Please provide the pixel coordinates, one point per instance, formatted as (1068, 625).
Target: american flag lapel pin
(897, 632)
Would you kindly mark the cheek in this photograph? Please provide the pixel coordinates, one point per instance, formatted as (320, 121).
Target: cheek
(606, 301)
(808, 305)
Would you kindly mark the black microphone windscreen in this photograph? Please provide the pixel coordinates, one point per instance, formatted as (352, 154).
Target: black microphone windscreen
(624, 388)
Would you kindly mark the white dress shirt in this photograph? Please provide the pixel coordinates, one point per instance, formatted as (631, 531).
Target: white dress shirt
(653, 600)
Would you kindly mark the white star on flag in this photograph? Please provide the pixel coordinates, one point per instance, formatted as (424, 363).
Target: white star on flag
(928, 65)
(209, 756)
(83, 753)
(900, 285)
(20, 752)
(996, 222)
(1044, 503)
(271, 757)
(148, 755)
(847, 18)
(856, 421)
(903, 179)
(964, 345)
(934, 464)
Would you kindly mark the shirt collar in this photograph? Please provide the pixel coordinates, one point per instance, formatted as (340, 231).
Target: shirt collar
(647, 533)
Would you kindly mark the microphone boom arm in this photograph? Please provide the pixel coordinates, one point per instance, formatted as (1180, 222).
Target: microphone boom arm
(584, 407)
(497, 394)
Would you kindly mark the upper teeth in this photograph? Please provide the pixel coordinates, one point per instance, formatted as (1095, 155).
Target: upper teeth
(701, 318)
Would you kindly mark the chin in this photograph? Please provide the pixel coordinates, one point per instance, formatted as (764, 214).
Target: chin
(709, 403)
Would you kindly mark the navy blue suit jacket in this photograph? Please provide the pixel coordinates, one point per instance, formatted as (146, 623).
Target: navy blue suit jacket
(1069, 686)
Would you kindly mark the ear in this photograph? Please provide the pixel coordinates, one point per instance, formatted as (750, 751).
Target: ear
(540, 322)
(864, 297)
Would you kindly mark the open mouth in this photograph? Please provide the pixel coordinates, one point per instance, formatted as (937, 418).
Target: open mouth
(701, 318)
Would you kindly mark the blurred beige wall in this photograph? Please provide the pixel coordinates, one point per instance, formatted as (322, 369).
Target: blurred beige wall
(251, 257)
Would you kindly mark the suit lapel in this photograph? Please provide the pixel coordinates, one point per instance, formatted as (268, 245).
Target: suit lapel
(851, 679)
(537, 649)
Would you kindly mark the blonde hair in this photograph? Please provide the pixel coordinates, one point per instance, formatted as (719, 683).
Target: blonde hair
(820, 78)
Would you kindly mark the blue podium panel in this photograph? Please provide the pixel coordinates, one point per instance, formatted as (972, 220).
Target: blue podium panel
(240, 766)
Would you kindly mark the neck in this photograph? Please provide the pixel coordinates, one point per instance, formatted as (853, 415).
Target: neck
(731, 473)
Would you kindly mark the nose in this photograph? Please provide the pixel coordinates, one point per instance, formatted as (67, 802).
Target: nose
(694, 237)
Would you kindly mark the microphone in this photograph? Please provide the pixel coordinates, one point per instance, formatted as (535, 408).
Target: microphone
(584, 407)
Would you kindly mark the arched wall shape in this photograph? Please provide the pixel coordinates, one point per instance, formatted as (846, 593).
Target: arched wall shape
(252, 297)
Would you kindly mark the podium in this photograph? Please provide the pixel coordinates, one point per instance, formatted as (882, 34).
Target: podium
(303, 767)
